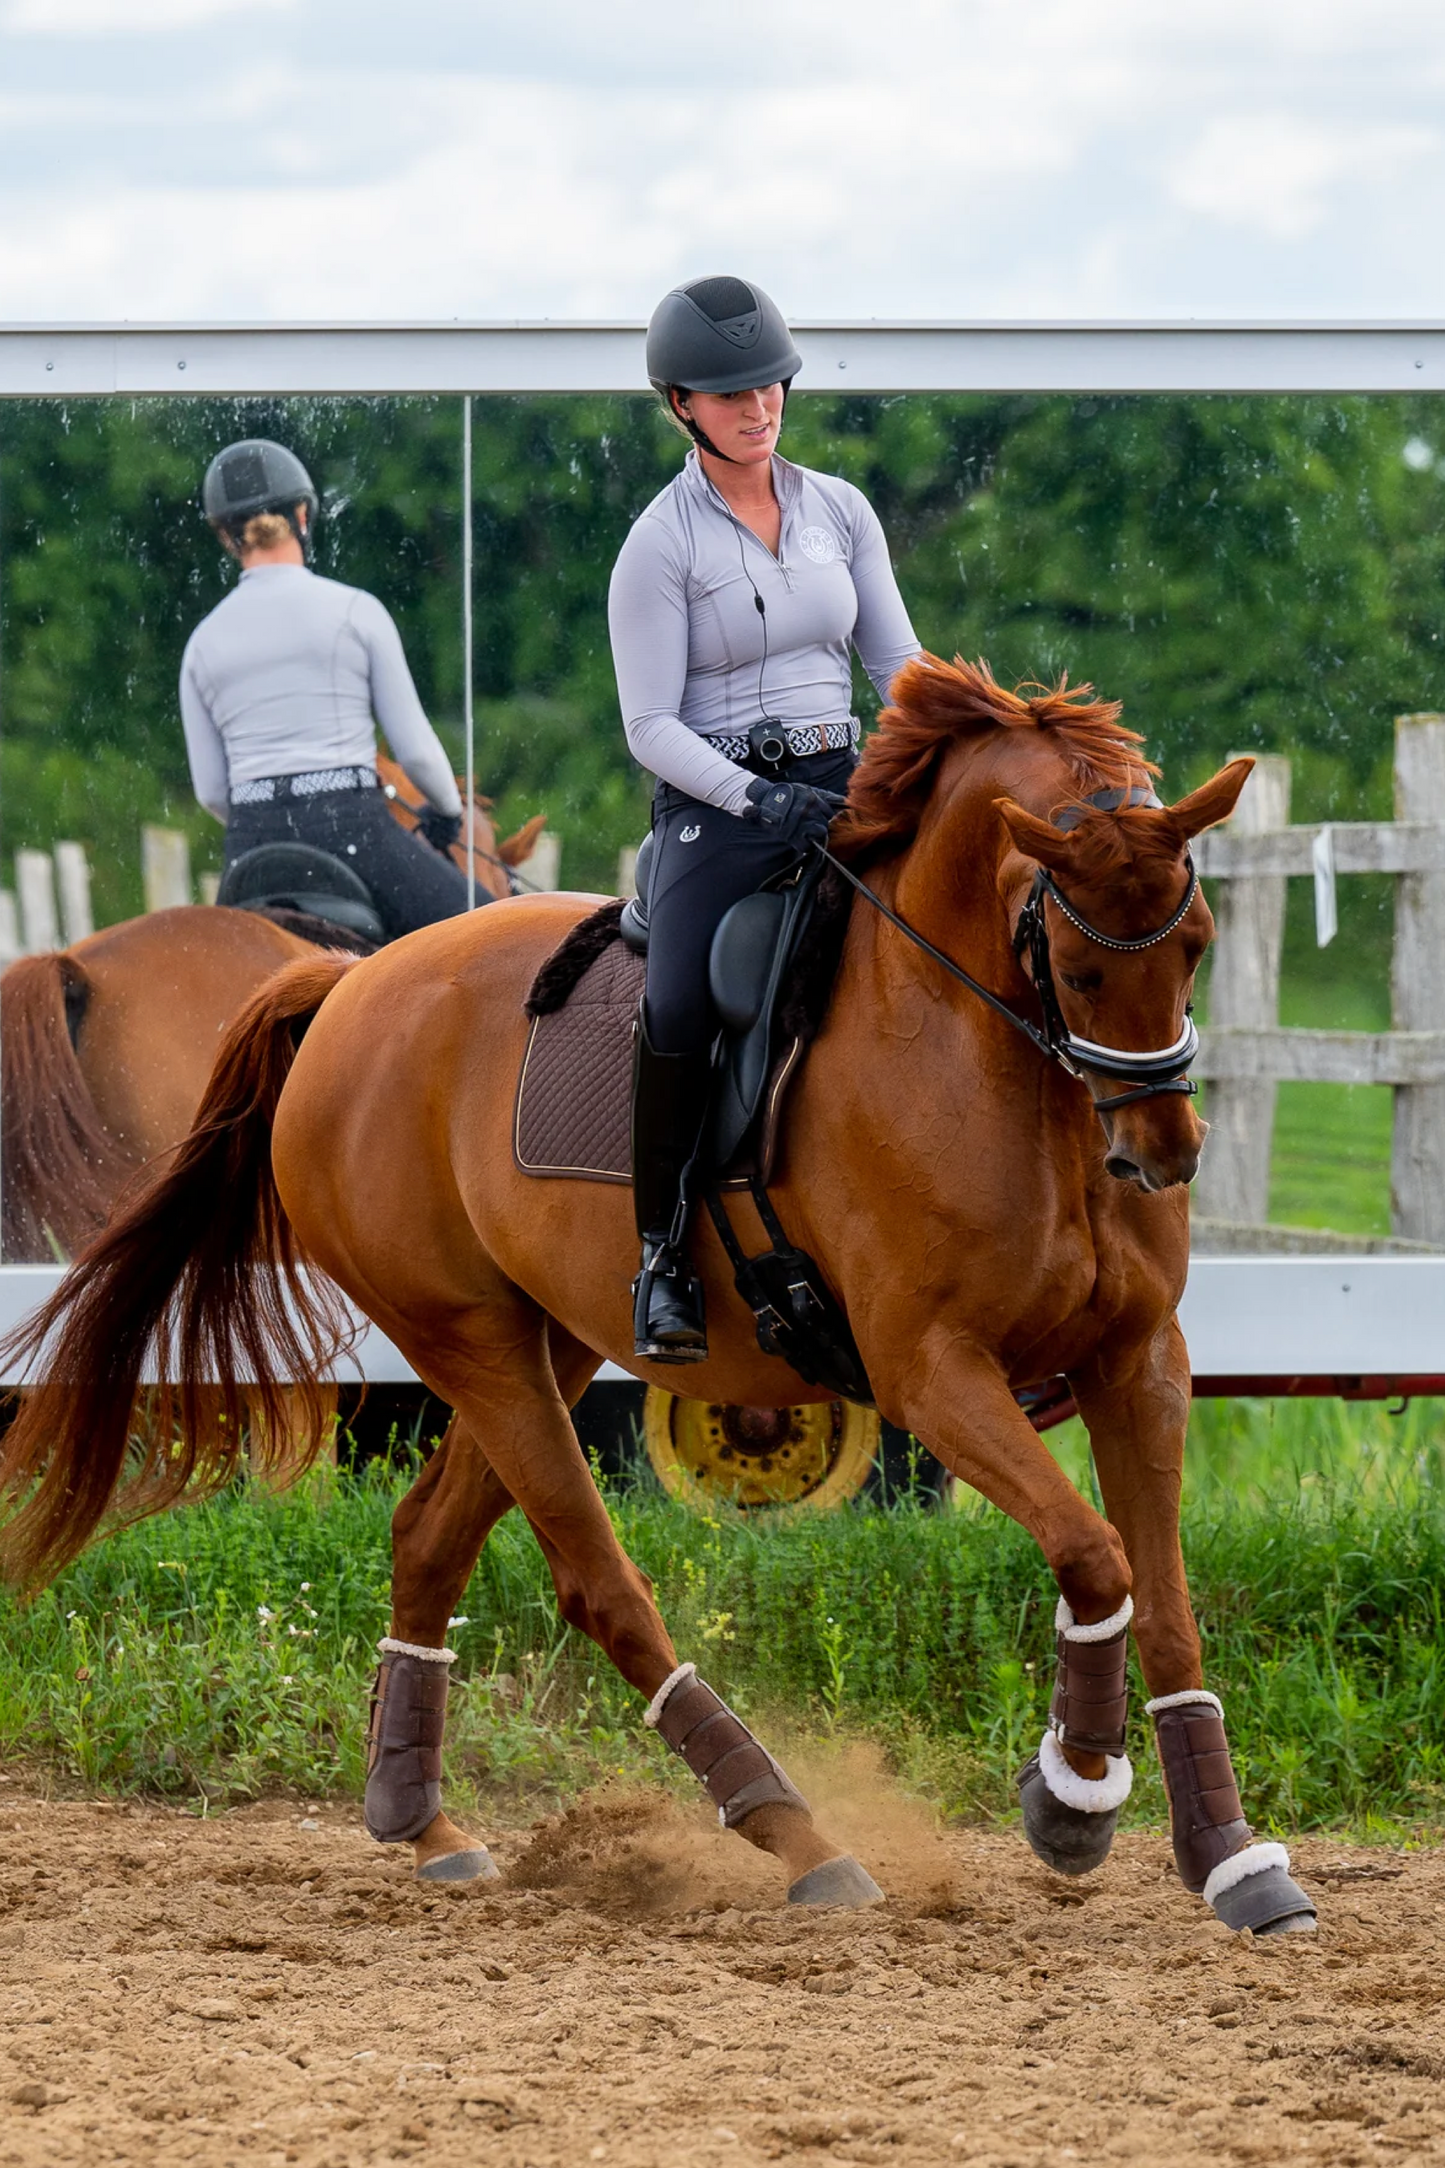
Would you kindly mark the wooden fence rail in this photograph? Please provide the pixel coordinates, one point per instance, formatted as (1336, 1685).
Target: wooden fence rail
(1246, 1052)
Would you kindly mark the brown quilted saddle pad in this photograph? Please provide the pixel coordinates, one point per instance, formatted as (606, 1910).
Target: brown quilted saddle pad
(574, 1094)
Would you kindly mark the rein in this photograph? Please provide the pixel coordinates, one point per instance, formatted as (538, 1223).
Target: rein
(1153, 1072)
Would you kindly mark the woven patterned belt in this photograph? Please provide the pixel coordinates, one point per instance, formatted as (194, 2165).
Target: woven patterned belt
(803, 739)
(268, 788)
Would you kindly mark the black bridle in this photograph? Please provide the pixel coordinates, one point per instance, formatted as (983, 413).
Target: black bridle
(1151, 1073)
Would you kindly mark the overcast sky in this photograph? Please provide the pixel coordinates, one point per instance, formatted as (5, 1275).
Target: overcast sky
(935, 158)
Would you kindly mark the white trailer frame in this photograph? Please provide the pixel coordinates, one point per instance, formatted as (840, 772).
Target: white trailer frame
(1345, 1323)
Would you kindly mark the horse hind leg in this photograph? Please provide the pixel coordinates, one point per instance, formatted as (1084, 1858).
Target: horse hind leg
(438, 1530)
(533, 1457)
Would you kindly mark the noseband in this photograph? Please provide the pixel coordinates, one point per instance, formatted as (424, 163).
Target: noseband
(1152, 1072)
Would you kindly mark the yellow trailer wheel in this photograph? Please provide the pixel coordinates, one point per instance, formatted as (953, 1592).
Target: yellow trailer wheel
(707, 1452)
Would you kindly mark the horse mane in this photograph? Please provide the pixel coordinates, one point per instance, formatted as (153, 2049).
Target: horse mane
(934, 704)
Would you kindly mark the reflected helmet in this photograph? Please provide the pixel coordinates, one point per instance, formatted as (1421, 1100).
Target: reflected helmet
(254, 476)
(719, 334)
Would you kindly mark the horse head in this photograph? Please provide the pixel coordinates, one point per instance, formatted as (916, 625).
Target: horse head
(1111, 924)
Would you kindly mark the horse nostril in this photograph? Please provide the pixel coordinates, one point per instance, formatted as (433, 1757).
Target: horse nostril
(1124, 1169)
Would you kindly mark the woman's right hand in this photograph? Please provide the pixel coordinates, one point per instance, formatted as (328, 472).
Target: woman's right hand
(793, 812)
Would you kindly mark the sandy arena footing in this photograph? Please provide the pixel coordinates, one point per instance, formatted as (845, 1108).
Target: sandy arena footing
(267, 1987)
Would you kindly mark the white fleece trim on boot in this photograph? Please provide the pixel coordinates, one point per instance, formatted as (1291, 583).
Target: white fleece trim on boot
(1089, 1795)
(388, 1647)
(1192, 1697)
(1103, 1629)
(1241, 1865)
(674, 1678)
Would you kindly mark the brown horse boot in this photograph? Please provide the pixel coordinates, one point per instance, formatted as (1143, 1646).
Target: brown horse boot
(751, 1792)
(1246, 1884)
(1070, 1820)
(404, 1765)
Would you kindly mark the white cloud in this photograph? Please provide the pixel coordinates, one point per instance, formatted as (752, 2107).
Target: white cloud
(1273, 173)
(124, 18)
(937, 158)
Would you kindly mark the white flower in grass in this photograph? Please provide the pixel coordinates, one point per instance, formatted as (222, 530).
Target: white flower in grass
(306, 1588)
(264, 1614)
(457, 1622)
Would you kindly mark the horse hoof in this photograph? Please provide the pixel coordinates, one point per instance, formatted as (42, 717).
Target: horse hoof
(837, 1882)
(1270, 1902)
(474, 1865)
(1068, 1839)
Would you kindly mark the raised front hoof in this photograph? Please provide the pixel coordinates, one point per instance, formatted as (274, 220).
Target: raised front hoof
(1068, 1839)
(837, 1882)
(1269, 1903)
(476, 1864)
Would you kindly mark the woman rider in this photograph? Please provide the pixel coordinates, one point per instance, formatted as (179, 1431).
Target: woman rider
(734, 602)
(282, 688)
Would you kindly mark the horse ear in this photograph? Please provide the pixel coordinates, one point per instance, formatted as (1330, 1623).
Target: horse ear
(1213, 801)
(1037, 839)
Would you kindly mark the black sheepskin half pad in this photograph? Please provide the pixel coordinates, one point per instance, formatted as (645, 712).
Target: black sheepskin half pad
(573, 958)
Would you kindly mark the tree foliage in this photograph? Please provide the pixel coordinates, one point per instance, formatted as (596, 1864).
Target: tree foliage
(1241, 572)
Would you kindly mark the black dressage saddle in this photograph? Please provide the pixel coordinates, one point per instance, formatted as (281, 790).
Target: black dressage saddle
(752, 951)
(298, 877)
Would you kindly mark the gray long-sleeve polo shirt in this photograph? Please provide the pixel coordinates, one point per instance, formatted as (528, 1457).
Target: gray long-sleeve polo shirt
(688, 640)
(292, 673)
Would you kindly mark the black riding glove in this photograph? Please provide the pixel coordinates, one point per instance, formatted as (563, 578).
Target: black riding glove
(793, 812)
(440, 829)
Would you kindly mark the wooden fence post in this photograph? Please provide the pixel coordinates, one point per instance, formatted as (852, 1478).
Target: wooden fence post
(543, 870)
(10, 947)
(1417, 1153)
(165, 859)
(1233, 1180)
(35, 882)
(72, 878)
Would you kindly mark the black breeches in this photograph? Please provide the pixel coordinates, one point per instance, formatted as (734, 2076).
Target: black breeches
(705, 861)
(412, 884)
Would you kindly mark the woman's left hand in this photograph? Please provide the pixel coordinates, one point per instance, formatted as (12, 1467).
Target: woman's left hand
(440, 829)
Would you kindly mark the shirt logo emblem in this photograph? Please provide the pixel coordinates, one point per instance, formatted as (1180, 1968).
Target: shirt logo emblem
(818, 545)
(689, 834)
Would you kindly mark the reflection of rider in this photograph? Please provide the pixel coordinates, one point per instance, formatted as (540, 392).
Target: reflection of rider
(735, 601)
(282, 688)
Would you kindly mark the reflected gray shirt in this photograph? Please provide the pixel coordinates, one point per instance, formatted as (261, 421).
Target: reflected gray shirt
(291, 673)
(687, 636)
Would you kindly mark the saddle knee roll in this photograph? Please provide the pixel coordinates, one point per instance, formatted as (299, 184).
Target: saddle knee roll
(739, 1774)
(404, 1742)
(1090, 1706)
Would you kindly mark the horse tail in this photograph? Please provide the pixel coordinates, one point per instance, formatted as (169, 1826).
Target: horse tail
(62, 1166)
(198, 1278)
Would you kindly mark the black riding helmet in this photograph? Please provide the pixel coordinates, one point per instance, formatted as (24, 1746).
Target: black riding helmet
(255, 476)
(717, 334)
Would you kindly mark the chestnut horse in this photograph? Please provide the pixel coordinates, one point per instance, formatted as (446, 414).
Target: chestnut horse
(987, 1218)
(107, 1044)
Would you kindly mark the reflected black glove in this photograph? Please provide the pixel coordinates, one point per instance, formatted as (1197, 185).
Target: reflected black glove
(793, 812)
(440, 829)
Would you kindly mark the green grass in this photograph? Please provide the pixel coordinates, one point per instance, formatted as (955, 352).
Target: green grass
(223, 1652)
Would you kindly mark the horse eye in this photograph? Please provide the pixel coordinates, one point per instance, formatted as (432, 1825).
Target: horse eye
(1082, 982)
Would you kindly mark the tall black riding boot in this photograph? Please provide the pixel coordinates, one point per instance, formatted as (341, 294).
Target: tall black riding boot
(669, 1102)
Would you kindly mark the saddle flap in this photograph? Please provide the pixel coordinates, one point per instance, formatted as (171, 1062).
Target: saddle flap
(741, 961)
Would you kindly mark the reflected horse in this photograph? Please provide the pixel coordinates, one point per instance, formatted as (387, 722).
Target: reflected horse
(107, 1044)
(953, 1185)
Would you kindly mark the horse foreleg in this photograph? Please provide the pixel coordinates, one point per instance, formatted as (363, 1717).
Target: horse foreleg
(959, 1401)
(1135, 1404)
